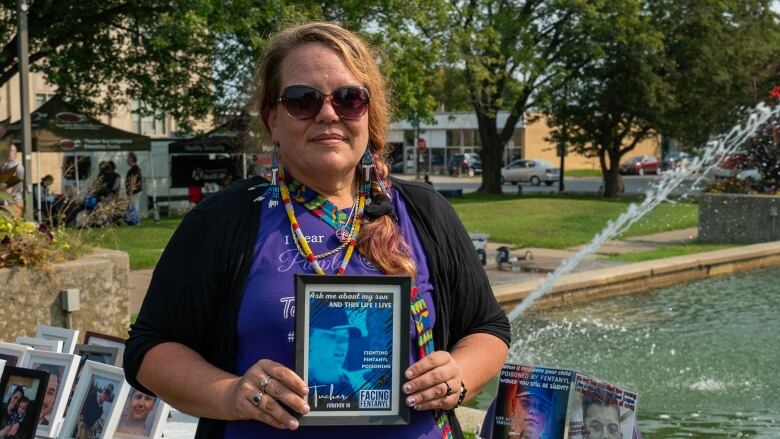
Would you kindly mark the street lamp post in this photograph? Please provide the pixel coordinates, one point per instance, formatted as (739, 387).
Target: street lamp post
(24, 90)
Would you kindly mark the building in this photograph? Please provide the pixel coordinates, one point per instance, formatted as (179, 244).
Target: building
(160, 127)
(458, 133)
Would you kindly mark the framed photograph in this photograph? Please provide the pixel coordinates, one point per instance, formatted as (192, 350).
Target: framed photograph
(97, 403)
(98, 339)
(2, 366)
(14, 354)
(40, 344)
(352, 347)
(143, 416)
(62, 372)
(68, 337)
(98, 354)
(21, 397)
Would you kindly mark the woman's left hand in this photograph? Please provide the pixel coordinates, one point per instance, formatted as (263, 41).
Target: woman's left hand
(433, 382)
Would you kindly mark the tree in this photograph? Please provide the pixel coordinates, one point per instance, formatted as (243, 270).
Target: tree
(673, 67)
(102, 53)
(721, 57)
(507, 52)
(612, 102)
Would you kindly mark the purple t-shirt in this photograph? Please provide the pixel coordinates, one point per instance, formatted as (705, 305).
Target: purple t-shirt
(266, 318)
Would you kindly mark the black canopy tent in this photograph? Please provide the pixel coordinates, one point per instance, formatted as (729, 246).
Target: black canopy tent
(59, 127)
(190, 161)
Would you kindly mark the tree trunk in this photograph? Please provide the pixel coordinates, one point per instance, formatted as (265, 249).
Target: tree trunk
(611, 174)
(491, 154)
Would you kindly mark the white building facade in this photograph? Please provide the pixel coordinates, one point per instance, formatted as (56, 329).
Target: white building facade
(451, 133)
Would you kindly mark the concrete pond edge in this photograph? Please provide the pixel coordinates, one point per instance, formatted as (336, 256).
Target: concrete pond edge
(641, 276)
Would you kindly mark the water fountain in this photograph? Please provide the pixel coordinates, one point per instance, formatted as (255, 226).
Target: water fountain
(715, 150)
(705, 365)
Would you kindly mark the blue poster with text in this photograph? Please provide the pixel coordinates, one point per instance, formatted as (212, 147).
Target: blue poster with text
(350, 351)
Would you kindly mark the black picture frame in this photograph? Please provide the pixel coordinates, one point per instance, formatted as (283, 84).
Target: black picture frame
(11, 378)
(357, 327)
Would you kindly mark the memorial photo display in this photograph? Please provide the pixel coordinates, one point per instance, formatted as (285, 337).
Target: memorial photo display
(352, 347)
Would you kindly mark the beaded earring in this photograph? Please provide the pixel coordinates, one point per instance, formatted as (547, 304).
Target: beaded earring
(367, 163)
(272, 191)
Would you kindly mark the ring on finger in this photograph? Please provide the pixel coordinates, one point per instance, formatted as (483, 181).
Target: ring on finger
(257, 398)
(449, 389)
(264, 382)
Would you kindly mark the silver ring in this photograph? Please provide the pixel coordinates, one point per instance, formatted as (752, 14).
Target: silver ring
(449, 389)
(257, 398)
(264, 382)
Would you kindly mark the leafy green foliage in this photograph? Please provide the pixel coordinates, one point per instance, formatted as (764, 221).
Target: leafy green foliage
(650, 68)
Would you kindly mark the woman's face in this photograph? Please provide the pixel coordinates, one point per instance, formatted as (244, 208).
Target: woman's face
(325, 146)
(140, 405)
(13, 403)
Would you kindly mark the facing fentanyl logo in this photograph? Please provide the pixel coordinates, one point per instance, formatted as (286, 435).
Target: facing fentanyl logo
(375, 399)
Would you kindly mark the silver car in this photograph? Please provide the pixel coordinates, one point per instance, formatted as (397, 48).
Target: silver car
(530, 170)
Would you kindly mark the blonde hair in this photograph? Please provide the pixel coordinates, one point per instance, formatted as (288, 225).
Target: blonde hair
(379, 240)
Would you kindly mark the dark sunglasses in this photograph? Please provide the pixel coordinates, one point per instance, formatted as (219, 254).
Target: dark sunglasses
(304, 102)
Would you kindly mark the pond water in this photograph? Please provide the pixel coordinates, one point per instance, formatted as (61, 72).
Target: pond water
(704, 357)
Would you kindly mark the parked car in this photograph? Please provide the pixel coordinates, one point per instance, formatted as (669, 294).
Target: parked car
(730, 165)
(468, 163)
(751, 174)
(676, 160)
(533, 171)
(641, 165)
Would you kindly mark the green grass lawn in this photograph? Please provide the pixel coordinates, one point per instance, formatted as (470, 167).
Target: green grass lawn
(582, 173)
(668, 252)
(551, 221)
(144, 243)
(554, 221)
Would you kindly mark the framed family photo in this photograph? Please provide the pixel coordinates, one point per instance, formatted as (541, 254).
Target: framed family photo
(61, 368)
(143, 416)
(14, 354)
(21, 398)
(97, 402)
(40, 344)
(352, 347)
(68, 337)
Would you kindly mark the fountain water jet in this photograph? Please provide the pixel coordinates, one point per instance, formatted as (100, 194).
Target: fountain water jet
(715, 151)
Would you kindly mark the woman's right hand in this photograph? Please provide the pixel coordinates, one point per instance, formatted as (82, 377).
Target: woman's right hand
(283, 391)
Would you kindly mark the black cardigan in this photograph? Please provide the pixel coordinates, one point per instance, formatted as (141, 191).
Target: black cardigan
(197, 286)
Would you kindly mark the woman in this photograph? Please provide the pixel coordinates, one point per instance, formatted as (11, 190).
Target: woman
(215, 335)
(138, 407)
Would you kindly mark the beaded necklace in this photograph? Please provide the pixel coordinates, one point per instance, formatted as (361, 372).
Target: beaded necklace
(303, 245)
(322, 208)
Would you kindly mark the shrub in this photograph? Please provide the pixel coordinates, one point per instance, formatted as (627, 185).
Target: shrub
(763, 151)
